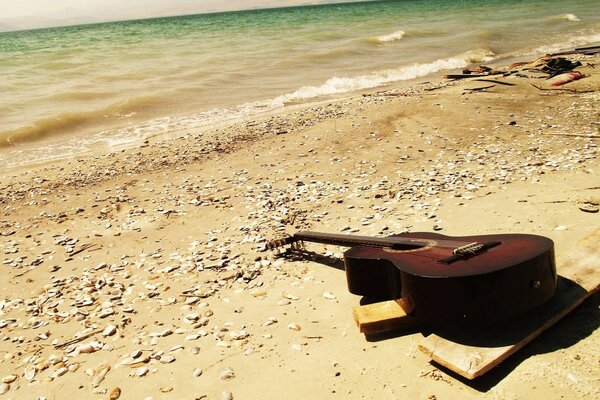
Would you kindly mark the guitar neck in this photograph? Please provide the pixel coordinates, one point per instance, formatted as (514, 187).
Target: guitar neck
(355, 240)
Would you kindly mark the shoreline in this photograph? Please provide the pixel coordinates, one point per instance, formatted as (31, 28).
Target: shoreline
(63, 141)
(156, 249)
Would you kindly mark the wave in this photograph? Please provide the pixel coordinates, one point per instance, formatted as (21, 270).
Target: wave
(570, 17)
(389, 38)
(576, 41)
(338, 85)
(67, 122)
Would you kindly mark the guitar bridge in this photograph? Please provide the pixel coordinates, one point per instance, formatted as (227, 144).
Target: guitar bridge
(468, 250)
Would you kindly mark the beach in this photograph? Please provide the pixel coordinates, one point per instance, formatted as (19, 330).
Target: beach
(140, 272)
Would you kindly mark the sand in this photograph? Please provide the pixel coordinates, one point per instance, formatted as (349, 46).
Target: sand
(142, 270)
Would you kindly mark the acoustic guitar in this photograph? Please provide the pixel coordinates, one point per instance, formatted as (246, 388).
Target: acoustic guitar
(441, 280)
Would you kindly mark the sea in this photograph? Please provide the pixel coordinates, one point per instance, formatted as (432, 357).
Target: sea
(75, 89)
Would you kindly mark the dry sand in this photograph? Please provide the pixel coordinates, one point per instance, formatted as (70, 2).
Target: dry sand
(152, 254)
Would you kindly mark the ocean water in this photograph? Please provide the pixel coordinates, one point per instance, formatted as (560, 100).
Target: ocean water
(73, 89)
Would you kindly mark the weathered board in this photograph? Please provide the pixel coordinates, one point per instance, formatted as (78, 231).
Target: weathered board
(382, 317)
(473, 354)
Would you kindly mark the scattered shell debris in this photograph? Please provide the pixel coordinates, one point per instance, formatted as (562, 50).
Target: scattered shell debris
(126, 277)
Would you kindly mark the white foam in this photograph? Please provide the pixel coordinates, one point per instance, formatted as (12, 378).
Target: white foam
(576, 41)
(337, 85)
(392, 37)
(571, 17)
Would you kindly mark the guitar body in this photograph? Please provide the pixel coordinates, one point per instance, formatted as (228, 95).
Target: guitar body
(505, 280)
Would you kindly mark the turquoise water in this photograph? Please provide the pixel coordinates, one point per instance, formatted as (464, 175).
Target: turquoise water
(77, 88)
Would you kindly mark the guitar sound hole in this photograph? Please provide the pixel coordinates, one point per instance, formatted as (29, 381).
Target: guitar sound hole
(407, 247)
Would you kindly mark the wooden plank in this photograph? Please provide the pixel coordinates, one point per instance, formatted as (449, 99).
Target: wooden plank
(382, 317)
(475, 353)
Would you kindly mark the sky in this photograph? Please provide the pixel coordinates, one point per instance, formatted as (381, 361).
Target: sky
(27, 14)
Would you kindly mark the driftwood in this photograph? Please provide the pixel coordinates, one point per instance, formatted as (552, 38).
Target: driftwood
(465, 76)
(572, 134)
(480, 89)
(498, 82)
(561, 89)
(590, 50)
(78, 339)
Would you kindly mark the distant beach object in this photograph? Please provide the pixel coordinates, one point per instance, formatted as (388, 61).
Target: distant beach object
(567, 77)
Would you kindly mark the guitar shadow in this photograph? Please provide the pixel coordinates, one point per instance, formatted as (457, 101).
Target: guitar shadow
(303, 254)
(570, 330)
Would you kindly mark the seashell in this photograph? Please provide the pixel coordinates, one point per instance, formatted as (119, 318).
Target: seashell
(238, 335)
(290, 296)
(197, 372)
(59, 372)
(89, 372)
(29, 373)
(227, 395)
(329, 296)
(294, 327)
(136, 353)
(166, 389)
(177, 347)
(192, 317)
(141, 371)
(191, 300)
(227, 374)
(195, 350)
(167, 359)
(115, 394)
(109, 330)
(100, 374)
(9, 378)
(97, 380)
(73, 367)
(5, 387)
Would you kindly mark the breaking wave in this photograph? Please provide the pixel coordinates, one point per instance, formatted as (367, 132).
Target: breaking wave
(337, 85)
(570, 17)
(389, 38)
(70, 121)
(575, 41)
